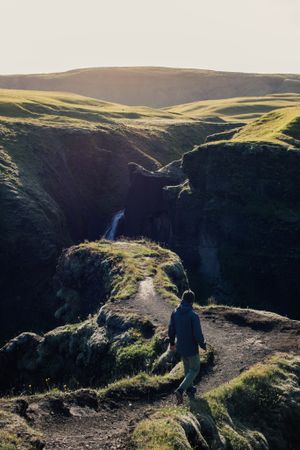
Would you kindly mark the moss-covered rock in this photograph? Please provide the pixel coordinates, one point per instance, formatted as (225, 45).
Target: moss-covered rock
(258, 410)
(103, 336)
(168, 429)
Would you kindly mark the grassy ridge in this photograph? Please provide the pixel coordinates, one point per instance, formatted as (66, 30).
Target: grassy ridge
(279, 127)
(58, 108)
(243, 109)
(67, 108)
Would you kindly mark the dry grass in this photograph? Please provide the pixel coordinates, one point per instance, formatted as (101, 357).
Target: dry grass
(241, 109)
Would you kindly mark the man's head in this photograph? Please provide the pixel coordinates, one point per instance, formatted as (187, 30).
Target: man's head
(188, 297)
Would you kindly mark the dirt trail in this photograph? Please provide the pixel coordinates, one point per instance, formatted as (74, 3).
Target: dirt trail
(237, 347)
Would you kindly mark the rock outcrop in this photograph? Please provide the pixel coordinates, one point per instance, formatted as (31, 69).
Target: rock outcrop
(102, 337)
(235, 222)
(145, 211)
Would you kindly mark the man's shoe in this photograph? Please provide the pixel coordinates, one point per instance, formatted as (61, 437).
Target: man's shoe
(191, 392)
(179, 396)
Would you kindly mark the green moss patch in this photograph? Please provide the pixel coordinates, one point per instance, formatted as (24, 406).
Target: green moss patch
(165, 430)
(15, 434)
(118, 267)
(281, 126)
(147, 384)
(259, 409)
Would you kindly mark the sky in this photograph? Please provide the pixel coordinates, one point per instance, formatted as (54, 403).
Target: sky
(38, 36)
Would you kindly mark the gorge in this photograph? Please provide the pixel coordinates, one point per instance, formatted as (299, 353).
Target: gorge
(108, 213)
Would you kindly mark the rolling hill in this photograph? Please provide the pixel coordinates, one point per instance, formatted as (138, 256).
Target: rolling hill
(155, 86)
(238, 109)
(282, 126)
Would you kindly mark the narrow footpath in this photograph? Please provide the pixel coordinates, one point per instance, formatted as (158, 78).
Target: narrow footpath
(240, 338)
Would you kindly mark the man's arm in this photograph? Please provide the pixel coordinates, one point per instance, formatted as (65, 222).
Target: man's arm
(172, 330)
(197, 331)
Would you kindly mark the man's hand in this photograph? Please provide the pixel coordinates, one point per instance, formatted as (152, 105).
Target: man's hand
(173, 348)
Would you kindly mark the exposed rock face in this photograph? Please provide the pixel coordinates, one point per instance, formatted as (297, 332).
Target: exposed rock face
(145, 212)
(103, 337)
(235, 223)
(57, 187)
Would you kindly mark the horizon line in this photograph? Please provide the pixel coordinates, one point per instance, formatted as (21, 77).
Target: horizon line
(144, 67)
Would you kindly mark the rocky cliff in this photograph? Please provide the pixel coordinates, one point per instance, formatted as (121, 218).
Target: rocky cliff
(235, 222)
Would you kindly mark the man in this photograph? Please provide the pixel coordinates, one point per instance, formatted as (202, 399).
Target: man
(185, 325)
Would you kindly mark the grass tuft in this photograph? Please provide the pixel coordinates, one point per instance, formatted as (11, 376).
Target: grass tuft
(259, 409)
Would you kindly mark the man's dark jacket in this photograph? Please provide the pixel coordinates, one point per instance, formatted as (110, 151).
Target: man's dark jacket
(185, 325)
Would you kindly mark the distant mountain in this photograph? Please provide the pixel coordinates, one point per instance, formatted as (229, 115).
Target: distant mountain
(155, 86)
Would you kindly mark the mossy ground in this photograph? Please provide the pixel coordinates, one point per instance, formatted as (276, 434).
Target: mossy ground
(146, 384)
(259, 409)
(16, 434)
(164, 431)
(132, 262)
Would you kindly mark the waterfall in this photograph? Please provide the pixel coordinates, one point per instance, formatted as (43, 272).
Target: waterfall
(111, 231)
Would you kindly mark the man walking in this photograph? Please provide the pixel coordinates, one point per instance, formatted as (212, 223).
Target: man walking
(185, 326)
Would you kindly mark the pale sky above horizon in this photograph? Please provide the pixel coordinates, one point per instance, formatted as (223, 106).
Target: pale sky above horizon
(232, 35)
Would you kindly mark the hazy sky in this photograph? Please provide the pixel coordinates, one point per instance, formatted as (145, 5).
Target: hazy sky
(235, 35)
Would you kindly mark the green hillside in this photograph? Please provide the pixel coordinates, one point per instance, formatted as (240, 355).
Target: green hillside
(281, 126)
(57, 108)
(243, 109)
